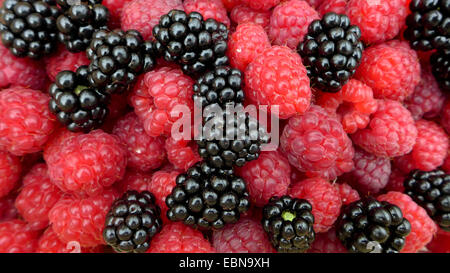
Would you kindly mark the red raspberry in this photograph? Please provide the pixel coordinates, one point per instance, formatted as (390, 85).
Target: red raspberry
(134, 181)
(245, 44)
(317, 144)
(261, 4)
(63, 59)
(17, 237)
(347, 193)
(143, 15)
(324, 198)
(422, 226)
(242, 14)
(379, 21)
(7, 209)
(336, 6)
(327, 242)
(269, 175)
(182, 153)
(25, 120)
(50, 243)
(230, 4)
(179, 238)
(21, 71)
(440, 243)
(37, 197)
(429, 151)
(278, 77)
(445, 120)
(10, 170)
(82, 220)
(396, 180)
(115, 8)
(314, 3)
(246, 236)
(289, 22)
(58, 138)
(392, 70)
(87, 163)
(427, 99)
(353, 105)
(390, 133)
(446, 165)
(145, 153)
(157, 95)
(209, 9)
(161, 185)
(371, 173)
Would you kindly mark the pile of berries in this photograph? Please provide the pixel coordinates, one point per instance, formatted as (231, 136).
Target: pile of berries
(225, 126)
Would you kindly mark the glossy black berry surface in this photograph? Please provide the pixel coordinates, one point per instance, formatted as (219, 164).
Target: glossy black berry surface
(370, 226)
(440, 66)
(132, 222)
(431, 190)
(27, 27)
(65, 5)
(289, 223)
(331, 52)
(207, 198)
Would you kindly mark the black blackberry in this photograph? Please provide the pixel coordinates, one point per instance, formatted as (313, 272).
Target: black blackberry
(428, 25)
(196, 44)
(440, 66)
(66, 4)
(331, 51)
(77, 105)
(231, 139)
(431, 190)
(78, 23)
(368, 226)
(27, 27)
(207, 198)
(132, 222)
(289, 224)
(117, 58)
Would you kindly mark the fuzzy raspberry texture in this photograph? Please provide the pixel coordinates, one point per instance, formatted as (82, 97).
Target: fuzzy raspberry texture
(245, 44)
(115, 8)
(133, 180)
(317, 144)
(246, 236)
(178, 238)
(396, 180)
(379, 21)
(278, 77)
(445, 116)
(392, 69)
(183, 154)
(336, 6)
(82, 220)
(58, 138)
(422, 226)
(327, 242)
(290, 21)
(17, 237)
(242, 14)
(143, 15)
(21, 71)
(214, 9)
(427, 99)
(371, 173)
(324, 198)
(157, 97)
(145, 153)
(62, 60)
(390, 133)
(269, 175)
(353, 105)
(440, 243)
(161, 185)
(347, 193)
(8, 210)
(37, 197)
(10, 170)
(315, 3)
(25, 120)
(230, 4)
(430, 149)
(261, 4)
(87, 163)
(50, 243)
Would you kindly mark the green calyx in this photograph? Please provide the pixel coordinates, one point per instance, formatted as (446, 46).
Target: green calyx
(80, 88)
(288, 216)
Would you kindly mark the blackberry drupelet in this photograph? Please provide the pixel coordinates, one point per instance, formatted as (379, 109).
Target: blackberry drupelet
(77, 105)
(331, 51)
(132, 222)
(223, 85)
(368, 226)
(207, 198)
(78, 23)
(440, 66)
(117, 58)
(66, 4)
(27, 27)
(428, 25)
(431, 190)
(196, 44)
(289, 224)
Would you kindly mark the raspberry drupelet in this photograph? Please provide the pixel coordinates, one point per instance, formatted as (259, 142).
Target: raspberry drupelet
(10, 170)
